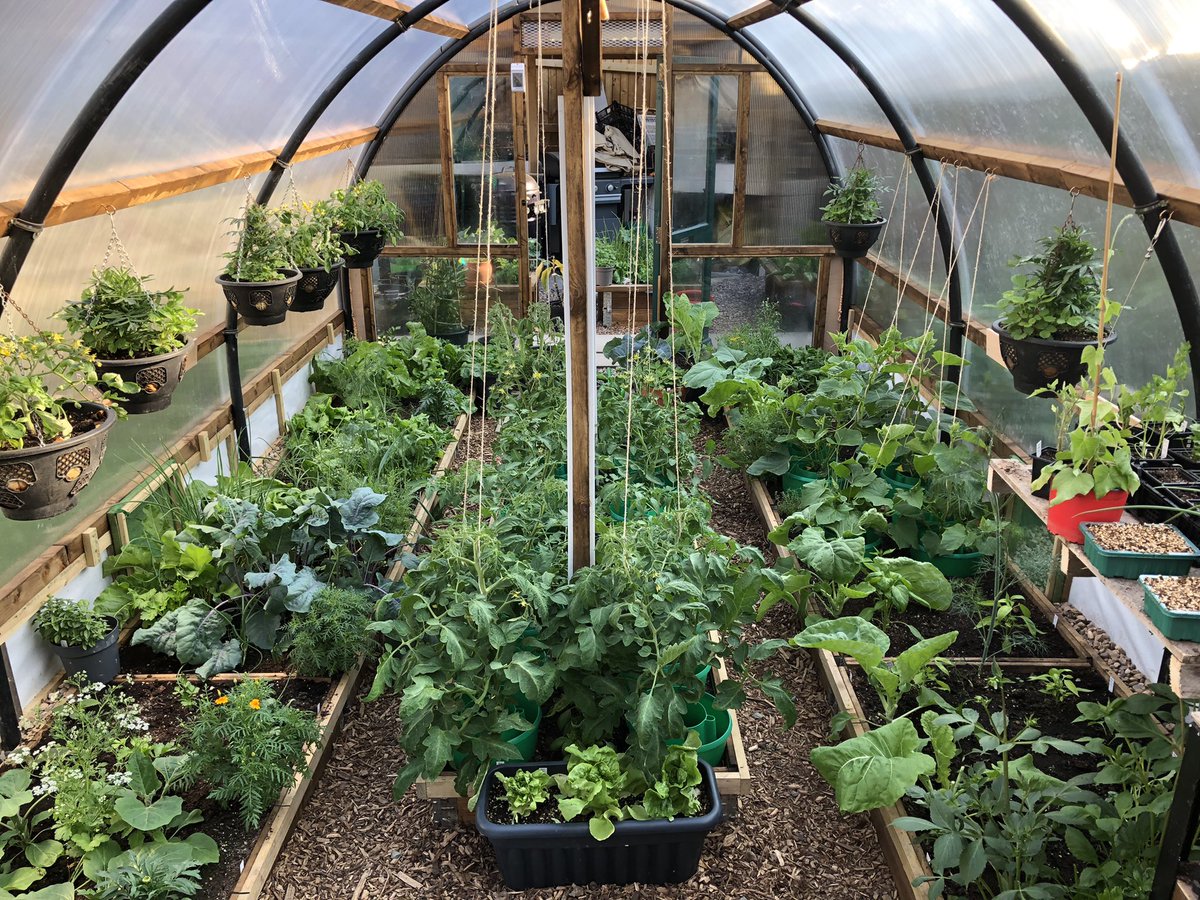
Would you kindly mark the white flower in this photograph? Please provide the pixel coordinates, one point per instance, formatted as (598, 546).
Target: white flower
(98, 686)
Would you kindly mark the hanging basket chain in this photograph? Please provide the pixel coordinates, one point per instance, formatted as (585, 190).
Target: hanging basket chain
(9, 301)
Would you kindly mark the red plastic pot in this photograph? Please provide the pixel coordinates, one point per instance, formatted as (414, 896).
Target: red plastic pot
(1065, 518)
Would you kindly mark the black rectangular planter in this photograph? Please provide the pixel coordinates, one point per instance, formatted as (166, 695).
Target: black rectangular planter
(551, 855)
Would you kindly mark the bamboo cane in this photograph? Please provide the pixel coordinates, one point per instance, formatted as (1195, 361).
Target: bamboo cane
(1108, 215)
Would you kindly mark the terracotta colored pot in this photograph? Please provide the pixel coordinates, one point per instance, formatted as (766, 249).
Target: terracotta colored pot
(1065, 518)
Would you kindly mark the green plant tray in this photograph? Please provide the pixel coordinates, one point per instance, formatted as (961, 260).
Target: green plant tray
(1125, 564)
(1176, 626)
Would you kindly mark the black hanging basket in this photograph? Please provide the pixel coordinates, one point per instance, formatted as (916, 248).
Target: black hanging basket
(315, 286)
(659, 851)
(365, 247)
(40, 482)
(456, 335)
(853, 241)
(261, 302)
(1037, 363)
(157, 376)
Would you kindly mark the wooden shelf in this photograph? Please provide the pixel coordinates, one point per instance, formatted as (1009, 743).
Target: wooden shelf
(1008, 476)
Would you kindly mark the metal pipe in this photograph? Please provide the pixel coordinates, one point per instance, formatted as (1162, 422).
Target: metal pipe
(947, 233)
(62, 162)
(1133, 174)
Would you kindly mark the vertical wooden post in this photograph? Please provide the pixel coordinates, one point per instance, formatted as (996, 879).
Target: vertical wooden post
(446, 144)
(577, 117)
(664, 125)
(362, 302)
(741, 160)
(520, 155)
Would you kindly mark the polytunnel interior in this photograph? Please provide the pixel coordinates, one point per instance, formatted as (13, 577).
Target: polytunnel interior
(142, 129)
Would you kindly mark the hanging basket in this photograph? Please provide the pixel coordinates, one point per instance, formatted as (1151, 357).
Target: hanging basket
(1037, 363)
(261, 302)
(315, 286)
(853, 241)
(365, 247)
(40, 482)
(454, 334)
(157, 376)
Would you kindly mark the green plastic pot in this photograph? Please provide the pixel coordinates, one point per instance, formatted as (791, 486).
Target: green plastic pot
(714, 727)
(701, 674)
(524, 741)
(1175, 626)
(796, 477)
(615, 512)
(1125, 564)
(955, 565)
(898, 480)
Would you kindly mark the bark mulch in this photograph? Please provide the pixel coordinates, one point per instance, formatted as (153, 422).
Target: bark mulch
(787, 839)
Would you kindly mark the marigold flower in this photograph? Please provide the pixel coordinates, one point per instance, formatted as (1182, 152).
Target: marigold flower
(256, 703)
(221, 701)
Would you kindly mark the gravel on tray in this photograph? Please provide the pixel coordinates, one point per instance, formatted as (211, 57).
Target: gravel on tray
(1138, 538)
(1175, 593)
(1117, 659)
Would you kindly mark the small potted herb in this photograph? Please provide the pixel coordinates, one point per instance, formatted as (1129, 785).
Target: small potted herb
(1130, 549)
(53, 432)
(83, 639)
(1092, 476)
(434, 302)
(367, 220)
(608, 258)
(316, 251)
(852, 213)
(595, 818)
(1051, 315)
(136, 333)
(260, 280)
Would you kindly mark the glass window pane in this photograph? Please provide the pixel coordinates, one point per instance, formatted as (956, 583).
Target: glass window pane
(704, 145)
(741, 287)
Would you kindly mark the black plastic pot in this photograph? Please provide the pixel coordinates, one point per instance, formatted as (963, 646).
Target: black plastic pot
(314, 286)
(365, 247)
(1188, 523)
(457, 336)
(1040, 461)
(853, 241)
(157, 376)
(101, 662)
(40, 482)
(261, 302)
(551, 855)
(1037, 363)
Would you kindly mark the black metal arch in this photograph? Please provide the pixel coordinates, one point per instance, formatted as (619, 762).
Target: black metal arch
(62, 162)
(948, 238)
(1146, 199)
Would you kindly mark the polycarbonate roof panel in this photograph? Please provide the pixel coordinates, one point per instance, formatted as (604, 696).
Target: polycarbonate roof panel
(959, 68)
(236, 80)
(1157, 44)
(831, 90)
(372, 90)
(54, 54)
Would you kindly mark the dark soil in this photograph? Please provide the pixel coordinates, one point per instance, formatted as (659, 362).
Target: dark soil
(918, 622)
(82, 419)
(1170, 475)
(141, 660)
(1024, 702)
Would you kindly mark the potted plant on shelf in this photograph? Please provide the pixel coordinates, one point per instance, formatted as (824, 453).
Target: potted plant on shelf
(1052, 315)
(434, 302)
(53, 432)
(608, 259)
(139, 334)
(80, 637)
(648, 829)
(1092, 476)
(316, 250)
(367, 220)
(852, 213)
(260, 279)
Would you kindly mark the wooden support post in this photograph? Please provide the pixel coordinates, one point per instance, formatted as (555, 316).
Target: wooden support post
(577, 146)
(362, 302)
(520, 168)
(91, 547)
(833, 299)
(204, 446)
(277, 390)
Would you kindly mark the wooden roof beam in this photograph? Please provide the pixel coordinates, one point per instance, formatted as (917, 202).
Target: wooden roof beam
(760, 13)
(98, 199)
(1035, 168)
(391, 11)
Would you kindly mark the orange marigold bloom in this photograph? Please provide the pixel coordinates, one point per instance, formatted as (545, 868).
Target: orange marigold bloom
(221, 701)
(255, 703)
